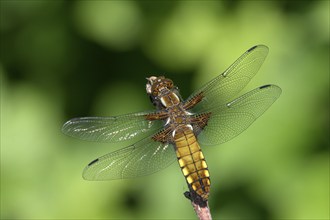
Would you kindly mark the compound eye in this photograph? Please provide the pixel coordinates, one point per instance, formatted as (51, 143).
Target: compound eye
(169, 84)
(152, 100)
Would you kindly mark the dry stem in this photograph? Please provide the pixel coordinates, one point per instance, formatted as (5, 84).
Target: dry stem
(200, 206)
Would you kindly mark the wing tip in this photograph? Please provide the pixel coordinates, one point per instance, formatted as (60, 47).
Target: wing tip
(65, 127)
(252, 48)
(86, 175)
(268, 86)
(258, 46)
(265, 86)
(86, 178)
(91, 163)
(277, 89)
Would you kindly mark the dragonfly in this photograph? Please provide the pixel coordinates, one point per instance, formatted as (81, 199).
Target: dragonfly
(176, 129)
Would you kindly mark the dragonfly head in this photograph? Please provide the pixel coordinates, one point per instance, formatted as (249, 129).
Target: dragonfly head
(162, 92)
(157, 86)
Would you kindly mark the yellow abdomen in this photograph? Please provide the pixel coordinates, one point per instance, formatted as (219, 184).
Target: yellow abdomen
(192, 162)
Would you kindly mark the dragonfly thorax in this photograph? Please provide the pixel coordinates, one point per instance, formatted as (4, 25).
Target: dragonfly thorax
(178, 116)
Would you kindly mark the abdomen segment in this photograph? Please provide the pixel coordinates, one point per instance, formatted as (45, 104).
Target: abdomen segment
(192, 161)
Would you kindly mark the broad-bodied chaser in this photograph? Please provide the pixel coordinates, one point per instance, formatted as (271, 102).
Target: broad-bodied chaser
(177, 128)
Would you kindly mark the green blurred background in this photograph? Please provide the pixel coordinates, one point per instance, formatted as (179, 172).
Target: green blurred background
(64, 59)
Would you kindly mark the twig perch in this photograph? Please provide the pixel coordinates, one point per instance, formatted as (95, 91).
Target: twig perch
(200, 206)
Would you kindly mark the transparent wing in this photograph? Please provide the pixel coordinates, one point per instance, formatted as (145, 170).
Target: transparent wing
(224, 87)
(228, 121)
(111, 129)
(142, 158)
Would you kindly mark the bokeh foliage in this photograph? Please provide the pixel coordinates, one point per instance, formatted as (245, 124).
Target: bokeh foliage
(64, 59)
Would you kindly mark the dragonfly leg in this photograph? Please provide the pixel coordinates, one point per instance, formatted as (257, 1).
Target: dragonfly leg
(194, 197)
